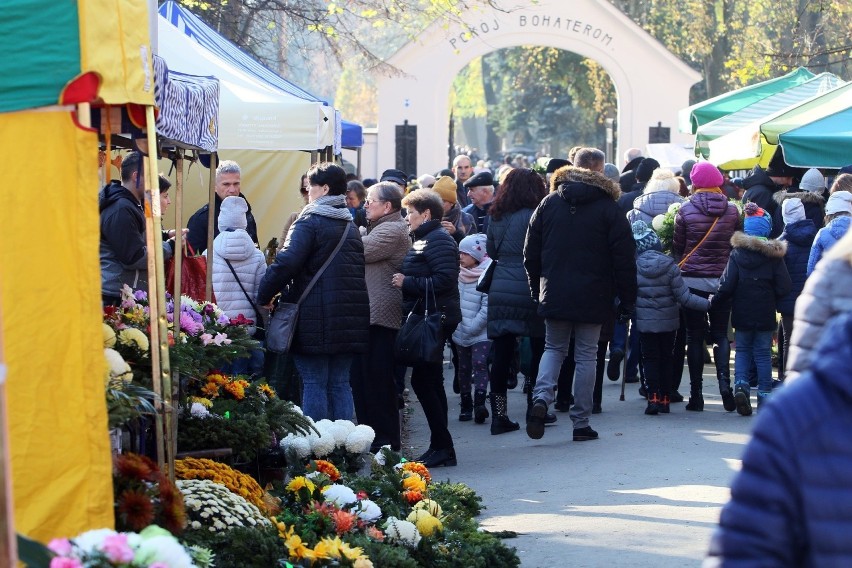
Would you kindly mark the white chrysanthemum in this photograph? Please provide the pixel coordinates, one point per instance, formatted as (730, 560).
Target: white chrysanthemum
(402, 532)
(299, 444)
(323, 444)
(674, 207)
(187, 301)
(133, 336)
(298, 409)
(118, 367)
(90, 541)
(360, 439)
(431, 506)
(340, 495)
(199, 410)
(342, 430)
(164, 549)
(657, 223)
(216, 508)
(367, 510)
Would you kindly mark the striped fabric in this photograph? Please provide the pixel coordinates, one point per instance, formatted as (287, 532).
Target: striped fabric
(189, 107)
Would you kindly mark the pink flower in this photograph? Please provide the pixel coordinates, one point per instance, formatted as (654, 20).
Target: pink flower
(206, 339)
(60, 546)
(221, 339)
(159, 565)
(65, 563)
(116, 549)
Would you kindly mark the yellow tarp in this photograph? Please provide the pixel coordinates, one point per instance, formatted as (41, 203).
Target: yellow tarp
(115, 43)
(50, 281)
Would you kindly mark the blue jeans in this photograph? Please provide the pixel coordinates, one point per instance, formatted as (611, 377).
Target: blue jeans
(251, 365)
(753, 346)
(325, 386)
(634, 356)
(556, 342)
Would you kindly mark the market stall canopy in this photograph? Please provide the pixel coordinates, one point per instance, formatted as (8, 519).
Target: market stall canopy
(252, 115)
(52, 55)
(690, 118)
(737, 127)
(818, 108)
(201, 33)
(823, 143)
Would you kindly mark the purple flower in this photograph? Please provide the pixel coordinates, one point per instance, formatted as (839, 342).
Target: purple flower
(223, 320)
(116, 549)
(140, 295)
(196, 316)
(170, 317)
(208, 309)
(189, 325)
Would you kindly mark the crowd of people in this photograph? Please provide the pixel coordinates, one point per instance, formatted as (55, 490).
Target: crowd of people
(541, 275)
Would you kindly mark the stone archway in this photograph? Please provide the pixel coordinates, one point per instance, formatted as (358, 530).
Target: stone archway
(651, 83)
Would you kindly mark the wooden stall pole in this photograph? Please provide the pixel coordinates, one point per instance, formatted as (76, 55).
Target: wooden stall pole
(211, 226)
(8, 548)
(157, 303)
(176, 297)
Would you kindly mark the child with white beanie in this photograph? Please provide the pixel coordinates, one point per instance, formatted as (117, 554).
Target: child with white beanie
(838, 216)
(238, 267)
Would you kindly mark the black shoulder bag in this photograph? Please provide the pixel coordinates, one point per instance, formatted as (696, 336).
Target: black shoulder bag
(484, 283)
(421, 338)
(260, 322)
(282, 324)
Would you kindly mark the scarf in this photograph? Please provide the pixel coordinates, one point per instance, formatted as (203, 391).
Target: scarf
(331, 206)
(469, 275)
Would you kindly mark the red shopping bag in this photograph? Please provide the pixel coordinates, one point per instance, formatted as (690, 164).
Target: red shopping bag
(193, 277)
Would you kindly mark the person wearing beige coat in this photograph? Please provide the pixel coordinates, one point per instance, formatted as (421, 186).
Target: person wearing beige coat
(386, 243)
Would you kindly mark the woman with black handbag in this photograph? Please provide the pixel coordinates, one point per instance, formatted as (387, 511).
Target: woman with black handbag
(321, 269)
(429, 281)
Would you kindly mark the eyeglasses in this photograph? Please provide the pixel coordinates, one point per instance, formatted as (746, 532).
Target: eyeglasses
(371, 201)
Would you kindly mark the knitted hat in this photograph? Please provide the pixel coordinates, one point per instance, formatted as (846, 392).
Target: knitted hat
(662, 180)
(845, 170)
(686, 171)
(611, 171)
(839, 202)
(426, 180)
(813, 181)
(778, 167)
(705, 175)
(645, 169)
(645, 238)
(446, 188)
(232, 215)
(792, 210)
(474, 245)
(757, 222)
(554, 164)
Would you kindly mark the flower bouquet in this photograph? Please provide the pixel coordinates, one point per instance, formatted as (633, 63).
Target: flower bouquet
(144, 495)
(104, 548)
(664, 226)
(340, 441)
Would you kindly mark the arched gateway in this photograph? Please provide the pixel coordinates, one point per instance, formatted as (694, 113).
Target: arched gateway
(651, 83)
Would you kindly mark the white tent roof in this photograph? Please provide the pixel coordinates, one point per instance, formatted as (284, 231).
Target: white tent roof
(252, 115)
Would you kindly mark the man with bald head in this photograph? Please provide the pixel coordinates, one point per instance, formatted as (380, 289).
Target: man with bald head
(462, 169)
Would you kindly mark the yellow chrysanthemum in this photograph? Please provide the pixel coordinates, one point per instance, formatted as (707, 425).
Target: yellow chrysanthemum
(414, 483)
(299, 483)
(328, 548)
(351, 552)
(205, 402)
(426, 524)
(419, 469)
(235, 481)
(431, 506)
(295, 547)
(363, 562)
(267, 390)
(133, 336)
(109, 336)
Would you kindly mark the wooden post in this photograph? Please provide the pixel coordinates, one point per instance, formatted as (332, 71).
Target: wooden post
(176, 299)
(157, 301)
(8, 547)
(211, 225)
(314, 157)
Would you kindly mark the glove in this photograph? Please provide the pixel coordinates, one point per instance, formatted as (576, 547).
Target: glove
(625, 312)
(362, 230)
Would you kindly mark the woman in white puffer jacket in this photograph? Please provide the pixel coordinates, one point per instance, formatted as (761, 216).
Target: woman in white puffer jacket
(234, 245)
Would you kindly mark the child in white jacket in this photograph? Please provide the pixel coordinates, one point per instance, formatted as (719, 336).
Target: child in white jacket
(236, 293)
(471, 337)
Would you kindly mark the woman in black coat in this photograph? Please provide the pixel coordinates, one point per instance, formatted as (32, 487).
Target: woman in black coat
(511, 311)
(334, 318)
(432, 263)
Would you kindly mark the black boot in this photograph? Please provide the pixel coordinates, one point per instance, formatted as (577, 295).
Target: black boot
(722, 359)
(727, 396)
(466, 413)
(500, 423)
(696, 398)
(480, 413)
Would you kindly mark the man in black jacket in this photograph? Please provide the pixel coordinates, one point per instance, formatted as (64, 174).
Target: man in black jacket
(761, 187)
(579, 255)
(227, 185)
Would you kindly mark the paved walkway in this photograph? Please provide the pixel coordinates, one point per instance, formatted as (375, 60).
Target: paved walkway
(647, 493)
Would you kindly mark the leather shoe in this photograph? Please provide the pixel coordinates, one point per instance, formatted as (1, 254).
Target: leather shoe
(535, 420)
(439, 458)
(613, 368)
(675, 397)
(585, 434)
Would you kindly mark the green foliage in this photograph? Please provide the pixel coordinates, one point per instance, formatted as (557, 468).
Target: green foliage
(456, 498)
(33, 553)
(241, 547)
(126, 402)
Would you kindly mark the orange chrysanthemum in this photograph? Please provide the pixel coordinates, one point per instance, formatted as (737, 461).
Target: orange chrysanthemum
(344, 521)
(134, 466)
(419, 469)
(328, 469)
(267, 390)
(412, 496)
(210, 390)
(375, 534)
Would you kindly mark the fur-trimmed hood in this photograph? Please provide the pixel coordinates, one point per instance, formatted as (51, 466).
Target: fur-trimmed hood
(766, 247)
(569, 182)
(806, 197)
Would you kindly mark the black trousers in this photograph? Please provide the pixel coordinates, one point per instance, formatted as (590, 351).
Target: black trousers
(658, 360)
(374, 389)
(503, 351)
(427, 380)
(565, 382)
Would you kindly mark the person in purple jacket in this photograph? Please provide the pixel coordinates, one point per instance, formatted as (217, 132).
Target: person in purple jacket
(701, 244)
